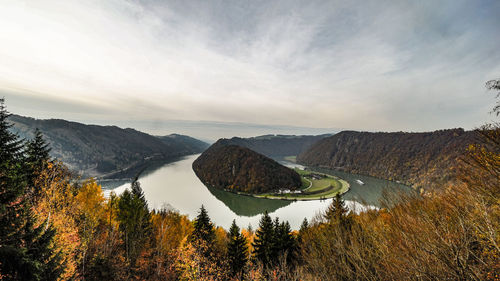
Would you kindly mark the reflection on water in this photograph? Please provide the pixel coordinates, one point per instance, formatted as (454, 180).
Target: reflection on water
(127, 176)
(246, 205)
(175, 184)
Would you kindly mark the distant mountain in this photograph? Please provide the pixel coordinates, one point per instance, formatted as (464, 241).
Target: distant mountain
(236, 168)
(103, 150)
(427, 160)
(277, 145)
(189, 143)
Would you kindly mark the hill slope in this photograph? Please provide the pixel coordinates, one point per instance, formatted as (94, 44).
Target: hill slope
(277, 145)
(231, 167)
(186, 142)
(419, 159)
(97, 150)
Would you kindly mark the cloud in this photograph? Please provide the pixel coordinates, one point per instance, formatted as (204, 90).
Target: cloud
(375, 65)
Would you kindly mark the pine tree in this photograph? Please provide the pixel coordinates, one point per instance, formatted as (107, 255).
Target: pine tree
(12, 179)
(39, 242)
(25, 250)
(285, 243)
(10, 145)
(337, 211)
(237, 250)
(304, 226)
(135, 221)
(203, 227)
(37, 150)
(37, 157)
(301, 239)
(264, 241)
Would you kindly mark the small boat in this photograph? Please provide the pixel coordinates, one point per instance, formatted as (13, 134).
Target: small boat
(360, 182)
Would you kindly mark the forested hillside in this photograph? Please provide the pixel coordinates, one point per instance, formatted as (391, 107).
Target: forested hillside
(188, 143)
(96, 150)
(277, 145)
(231, 167)
(420, 159)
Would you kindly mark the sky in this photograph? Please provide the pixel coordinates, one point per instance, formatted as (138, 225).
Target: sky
(315, 66)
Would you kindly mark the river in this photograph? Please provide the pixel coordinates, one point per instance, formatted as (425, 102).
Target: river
(174, 185)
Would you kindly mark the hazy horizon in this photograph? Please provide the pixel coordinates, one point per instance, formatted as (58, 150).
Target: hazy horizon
(368, 65)
(211, 131)
(208, 131)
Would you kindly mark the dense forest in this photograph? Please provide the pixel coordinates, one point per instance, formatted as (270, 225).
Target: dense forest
(428, 160)
(55, 228)
(276, 146)
(99, 150)
(235, 168)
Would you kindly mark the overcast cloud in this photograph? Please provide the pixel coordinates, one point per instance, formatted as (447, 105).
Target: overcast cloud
(372, 65)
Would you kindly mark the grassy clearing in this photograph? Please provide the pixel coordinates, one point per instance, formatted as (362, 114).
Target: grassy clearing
(322, 184)
(315, 186)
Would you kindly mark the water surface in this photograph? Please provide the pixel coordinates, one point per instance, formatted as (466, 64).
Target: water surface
(174, 185)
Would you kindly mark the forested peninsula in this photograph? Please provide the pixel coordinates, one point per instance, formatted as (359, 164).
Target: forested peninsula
(236, 168)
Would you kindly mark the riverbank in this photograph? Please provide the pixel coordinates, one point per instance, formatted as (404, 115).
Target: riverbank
(317, 186)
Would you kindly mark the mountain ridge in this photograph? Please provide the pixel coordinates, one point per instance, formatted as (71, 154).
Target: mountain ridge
(96, 150)
(424, 160)
(275, 146)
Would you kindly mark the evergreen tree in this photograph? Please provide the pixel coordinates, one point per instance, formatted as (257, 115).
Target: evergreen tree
(285, 244)
(237, 250)
(39, 242)
(11, 147)
(264, 241)
(135, 221)
(276, 223)
(337, 211)
(25, 250)
(12, 179)
(203, 227)
(37, 151)
(304, 226)
(37, 157)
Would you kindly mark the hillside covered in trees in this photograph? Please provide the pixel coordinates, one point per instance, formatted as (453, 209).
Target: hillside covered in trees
(277, 145)
(236, 168)
(426, 160)
(97, 150)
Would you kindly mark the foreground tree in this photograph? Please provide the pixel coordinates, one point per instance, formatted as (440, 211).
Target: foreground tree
(337, 212)
(25, 244)
(203, 227)
(201, 257)
(264, 241)
(303, 228)
(37, 158)
(37, 152)
(285, 245)
(135, 222)
(237, 250)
